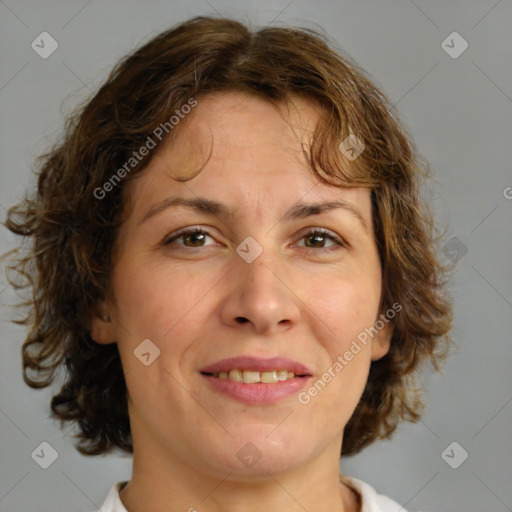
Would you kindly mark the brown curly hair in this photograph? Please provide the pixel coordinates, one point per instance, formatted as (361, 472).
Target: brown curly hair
(71, 233)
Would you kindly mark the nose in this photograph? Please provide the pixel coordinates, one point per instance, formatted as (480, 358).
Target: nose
(261, 296)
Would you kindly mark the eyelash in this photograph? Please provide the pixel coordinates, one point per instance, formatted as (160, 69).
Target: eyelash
(312, 233)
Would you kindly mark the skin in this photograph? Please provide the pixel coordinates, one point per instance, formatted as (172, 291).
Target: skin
(304, 300)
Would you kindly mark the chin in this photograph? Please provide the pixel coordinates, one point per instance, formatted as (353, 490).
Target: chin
(253, 457)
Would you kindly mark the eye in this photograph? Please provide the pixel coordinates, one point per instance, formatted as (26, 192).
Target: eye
(316, 239)
(195, 236)
(192, 237)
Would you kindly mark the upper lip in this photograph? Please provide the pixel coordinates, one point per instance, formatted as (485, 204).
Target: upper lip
(256, 364)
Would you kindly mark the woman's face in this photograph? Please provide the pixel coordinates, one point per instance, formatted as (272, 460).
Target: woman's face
(253, 284)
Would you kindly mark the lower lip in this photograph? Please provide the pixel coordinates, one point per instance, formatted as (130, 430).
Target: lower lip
(258, 393)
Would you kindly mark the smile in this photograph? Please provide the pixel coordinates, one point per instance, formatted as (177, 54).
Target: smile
(253, 377)
(256, 381)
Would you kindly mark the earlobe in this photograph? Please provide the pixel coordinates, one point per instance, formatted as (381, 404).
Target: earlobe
(382, 341)
(102, 328)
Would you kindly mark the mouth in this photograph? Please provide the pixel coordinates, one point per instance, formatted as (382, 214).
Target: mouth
(251, 369)
(257, 381)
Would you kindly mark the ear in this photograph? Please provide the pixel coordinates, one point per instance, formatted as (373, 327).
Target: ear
(382, 341)
(102, 326)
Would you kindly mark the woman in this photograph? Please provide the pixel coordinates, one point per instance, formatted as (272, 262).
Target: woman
(232, 263)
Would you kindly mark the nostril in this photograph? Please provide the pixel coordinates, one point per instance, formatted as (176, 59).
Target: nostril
(241, 319)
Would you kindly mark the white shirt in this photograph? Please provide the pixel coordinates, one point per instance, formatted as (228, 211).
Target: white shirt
(371, 501)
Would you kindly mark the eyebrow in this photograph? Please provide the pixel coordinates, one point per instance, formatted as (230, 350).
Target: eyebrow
(210, 207)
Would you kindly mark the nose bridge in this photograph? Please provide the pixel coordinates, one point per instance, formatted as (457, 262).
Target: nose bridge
(256, 267)
(259, 293)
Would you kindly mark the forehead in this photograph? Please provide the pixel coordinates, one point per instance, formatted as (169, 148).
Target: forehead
(236, 146)
(236, 125)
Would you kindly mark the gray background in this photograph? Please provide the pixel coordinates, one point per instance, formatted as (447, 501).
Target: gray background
(460, 113)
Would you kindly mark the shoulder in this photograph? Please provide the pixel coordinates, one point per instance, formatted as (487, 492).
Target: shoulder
(371, 500)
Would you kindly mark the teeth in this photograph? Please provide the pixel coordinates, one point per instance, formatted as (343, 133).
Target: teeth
(251, 377)
(268, 377)
(236, 375)
(282, 375)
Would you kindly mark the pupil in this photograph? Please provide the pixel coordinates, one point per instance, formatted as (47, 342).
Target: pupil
(318, 239)
(193, 236)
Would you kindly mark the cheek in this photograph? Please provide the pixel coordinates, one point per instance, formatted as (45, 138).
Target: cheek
(344, 310)
(153, 300)
(165, 306)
